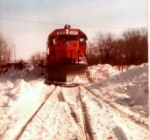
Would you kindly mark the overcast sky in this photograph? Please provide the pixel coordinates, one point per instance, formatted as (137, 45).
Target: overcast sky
(27, 23)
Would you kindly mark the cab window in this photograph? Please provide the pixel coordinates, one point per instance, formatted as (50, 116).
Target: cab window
(52, 41)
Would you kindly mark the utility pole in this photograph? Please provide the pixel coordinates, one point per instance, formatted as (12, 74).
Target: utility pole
(15, 53)
(0, 54)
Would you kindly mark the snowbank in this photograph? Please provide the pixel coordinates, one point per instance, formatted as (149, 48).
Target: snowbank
(128, 88)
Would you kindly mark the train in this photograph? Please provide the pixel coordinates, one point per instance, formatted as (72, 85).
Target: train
(66, 55)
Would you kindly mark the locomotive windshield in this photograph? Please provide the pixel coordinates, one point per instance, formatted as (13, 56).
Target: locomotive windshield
(67, 38)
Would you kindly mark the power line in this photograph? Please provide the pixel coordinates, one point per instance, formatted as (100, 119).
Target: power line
(5, 18)
(39, 22)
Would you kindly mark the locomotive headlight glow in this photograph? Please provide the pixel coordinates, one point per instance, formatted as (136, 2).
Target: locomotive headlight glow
(67, 31)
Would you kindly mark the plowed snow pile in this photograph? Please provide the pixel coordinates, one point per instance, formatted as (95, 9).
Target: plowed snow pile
(29, 72)
(99, 72)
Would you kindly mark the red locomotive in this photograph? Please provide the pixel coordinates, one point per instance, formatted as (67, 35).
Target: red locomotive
(66, 54)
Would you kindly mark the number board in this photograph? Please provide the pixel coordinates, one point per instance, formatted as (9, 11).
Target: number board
(60, 32)
(74, 32)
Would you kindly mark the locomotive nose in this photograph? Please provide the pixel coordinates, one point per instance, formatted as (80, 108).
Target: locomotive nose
(66, 51)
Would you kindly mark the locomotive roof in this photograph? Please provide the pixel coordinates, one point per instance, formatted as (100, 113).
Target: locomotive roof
(72, 29)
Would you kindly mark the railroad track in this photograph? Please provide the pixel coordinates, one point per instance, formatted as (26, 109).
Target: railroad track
(66, 113)
(86, 126)
(145, 126)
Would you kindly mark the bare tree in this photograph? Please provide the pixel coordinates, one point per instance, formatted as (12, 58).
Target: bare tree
(105, 44)
(37, 57)
(5, 50)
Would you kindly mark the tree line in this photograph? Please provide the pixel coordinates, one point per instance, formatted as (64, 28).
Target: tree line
(129, 49)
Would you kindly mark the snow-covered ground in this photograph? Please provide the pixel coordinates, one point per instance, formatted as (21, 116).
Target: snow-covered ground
(21, 92)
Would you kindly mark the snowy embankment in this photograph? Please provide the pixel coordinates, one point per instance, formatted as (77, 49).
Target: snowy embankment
(20, 100)
(25, 100)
